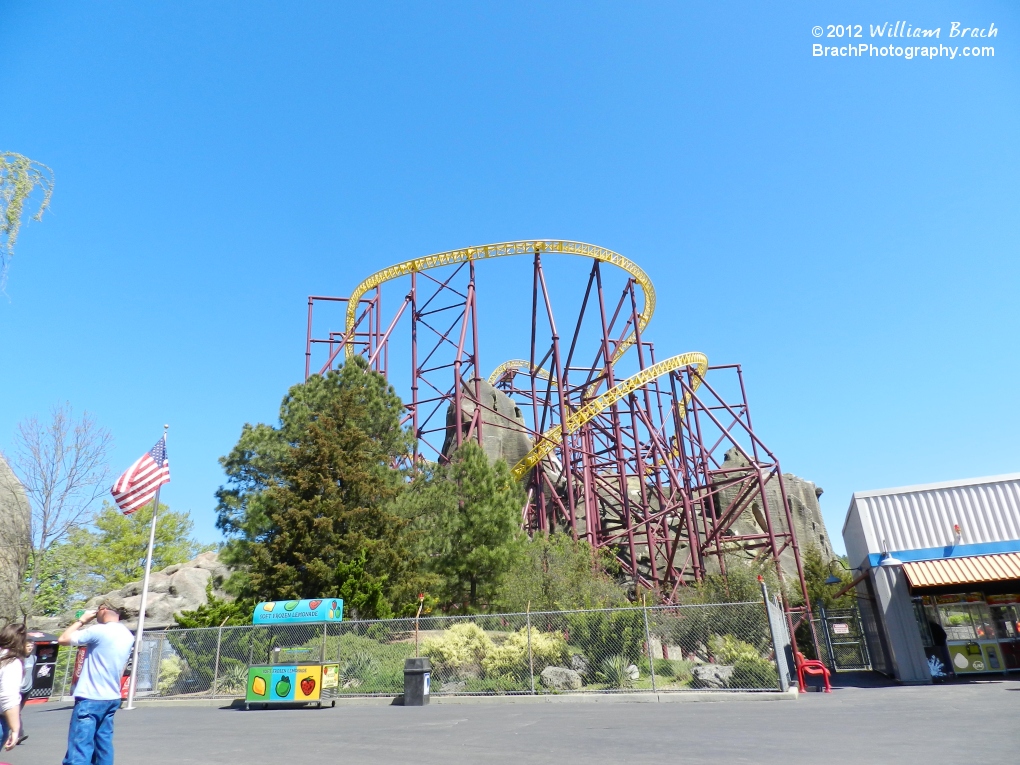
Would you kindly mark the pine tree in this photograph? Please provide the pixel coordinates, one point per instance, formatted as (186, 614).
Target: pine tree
(557, 573)
(469, 514)
(309, 505)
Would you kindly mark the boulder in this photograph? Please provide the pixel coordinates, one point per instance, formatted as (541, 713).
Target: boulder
(808, 524)
(633, 672)
(560, 679)
(711, 675)
(503, 431)
(579, 663)
(181, 587)
(15, 542)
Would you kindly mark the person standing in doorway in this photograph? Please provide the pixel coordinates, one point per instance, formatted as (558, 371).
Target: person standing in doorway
(97, 694)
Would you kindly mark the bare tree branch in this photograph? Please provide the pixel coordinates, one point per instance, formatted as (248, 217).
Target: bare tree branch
(63, 466)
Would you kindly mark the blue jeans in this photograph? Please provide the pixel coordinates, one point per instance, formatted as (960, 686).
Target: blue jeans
(90, 737)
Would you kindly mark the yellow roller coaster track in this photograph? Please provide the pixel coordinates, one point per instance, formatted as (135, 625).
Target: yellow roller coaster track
(506, 366)
(502, 250)
(554, 436)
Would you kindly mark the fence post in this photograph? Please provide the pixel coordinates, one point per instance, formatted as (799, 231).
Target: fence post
(216, 666)
(778, 648)
(648, 642)
(531, 658)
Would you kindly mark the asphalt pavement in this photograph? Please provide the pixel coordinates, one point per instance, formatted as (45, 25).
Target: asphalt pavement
(959, 723)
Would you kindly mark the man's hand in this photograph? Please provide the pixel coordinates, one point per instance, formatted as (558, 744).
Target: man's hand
(12, 738)
(77, 624)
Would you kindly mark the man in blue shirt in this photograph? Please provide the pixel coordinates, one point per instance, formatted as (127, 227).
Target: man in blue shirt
(97, 693)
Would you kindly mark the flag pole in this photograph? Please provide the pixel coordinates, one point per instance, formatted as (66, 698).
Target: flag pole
(145, 594)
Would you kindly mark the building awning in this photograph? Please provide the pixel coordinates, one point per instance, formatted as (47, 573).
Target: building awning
(973, 570)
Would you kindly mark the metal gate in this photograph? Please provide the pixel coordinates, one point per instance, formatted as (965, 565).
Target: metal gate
(842, 639)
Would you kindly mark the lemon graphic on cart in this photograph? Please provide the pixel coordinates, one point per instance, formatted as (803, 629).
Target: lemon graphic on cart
(258, 682)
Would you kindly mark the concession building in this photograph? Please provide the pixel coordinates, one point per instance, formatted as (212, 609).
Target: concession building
(938, 576)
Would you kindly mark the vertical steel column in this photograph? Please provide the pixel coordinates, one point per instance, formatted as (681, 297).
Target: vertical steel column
(538, 469)
(414, 363)
(308, 342)
(561, 385)
(477, 372)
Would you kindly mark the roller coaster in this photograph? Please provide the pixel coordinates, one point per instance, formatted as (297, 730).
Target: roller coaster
(661, 465)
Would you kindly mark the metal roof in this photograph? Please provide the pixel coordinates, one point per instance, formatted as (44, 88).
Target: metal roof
(975, 570)
(987, 511)
(939, 485)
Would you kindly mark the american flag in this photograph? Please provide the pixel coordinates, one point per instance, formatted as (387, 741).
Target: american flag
(141, 481)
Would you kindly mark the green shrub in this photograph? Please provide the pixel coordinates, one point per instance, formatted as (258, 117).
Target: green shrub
(509, 658)
(170, 670)
(233, 677)
(729, 650)
(753, 673)
(360, 665)
(613, 672)
(607, 633)
(669, 670)
(368, 665)
(463, 644)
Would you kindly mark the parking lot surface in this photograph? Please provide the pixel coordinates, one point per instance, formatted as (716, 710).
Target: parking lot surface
(971, 722)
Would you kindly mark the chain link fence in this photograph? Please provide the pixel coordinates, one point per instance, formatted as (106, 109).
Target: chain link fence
(721, 647)
(841, 639)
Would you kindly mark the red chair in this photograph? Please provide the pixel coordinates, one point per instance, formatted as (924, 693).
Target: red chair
(811, 667)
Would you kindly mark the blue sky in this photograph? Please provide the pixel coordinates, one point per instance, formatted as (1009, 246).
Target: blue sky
(846, 229)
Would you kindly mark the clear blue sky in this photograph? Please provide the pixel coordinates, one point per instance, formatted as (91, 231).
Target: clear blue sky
(847, 229)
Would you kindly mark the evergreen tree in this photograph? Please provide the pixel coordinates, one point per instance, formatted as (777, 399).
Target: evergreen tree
(309, 501)
(558, 573)
(817, 572)
(255, 462)
(469, 516)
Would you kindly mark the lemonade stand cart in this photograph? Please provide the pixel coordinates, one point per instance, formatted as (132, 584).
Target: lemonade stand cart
(294, 675)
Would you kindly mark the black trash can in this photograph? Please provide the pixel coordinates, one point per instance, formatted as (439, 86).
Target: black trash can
(417, 675)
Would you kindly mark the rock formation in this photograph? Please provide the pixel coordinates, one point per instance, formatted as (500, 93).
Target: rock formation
(181, 587)
(15, 541)
(503, 431)
(560, 679)
(802, 495)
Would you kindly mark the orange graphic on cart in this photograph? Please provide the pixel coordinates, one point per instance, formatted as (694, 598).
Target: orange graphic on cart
(258, 686)
(268, 606)
(307, 679)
